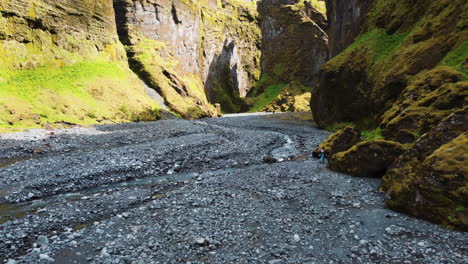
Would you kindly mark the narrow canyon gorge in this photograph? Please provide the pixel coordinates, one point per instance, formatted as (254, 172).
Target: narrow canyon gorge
(188, 131)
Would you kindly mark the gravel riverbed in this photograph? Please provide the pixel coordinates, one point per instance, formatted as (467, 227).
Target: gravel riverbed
(237, 189)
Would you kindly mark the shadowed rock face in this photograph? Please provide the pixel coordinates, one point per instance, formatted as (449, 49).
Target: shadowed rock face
(367, 158)
(294, 41)
(41, 33)
(339, 141)
(345, 19)
(210, 49)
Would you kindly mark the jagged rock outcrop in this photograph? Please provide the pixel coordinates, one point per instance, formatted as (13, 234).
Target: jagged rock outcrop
(428, 98)
(430, 180)
(294, 47)
(346, 18)
(194, 53)
(62, 63)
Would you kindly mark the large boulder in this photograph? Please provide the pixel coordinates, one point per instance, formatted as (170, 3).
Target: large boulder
(62, 64)
(339, 141)
(367, 159)
(430, 179)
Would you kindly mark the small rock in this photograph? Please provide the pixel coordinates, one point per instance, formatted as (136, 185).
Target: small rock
(45, 257)
(200, 241)
(296, 238)
(42, 241)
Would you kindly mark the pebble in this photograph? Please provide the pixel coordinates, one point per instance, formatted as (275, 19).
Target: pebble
(42, 241)
(45, 257)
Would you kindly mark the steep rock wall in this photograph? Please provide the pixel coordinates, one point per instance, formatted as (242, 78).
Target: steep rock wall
(62, 62)
(400, 39)
(294, 40)
(345, 20)
(195, 53)
(294, 47)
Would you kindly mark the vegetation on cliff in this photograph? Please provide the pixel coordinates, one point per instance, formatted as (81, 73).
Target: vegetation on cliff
(200, 53)
(402, 80)
(400, 40)
(83, 93)
(297, 29)
(53, 74)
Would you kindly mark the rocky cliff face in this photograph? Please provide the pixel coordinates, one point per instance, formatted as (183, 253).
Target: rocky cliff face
(62, 62)
(195, 53)
(346, 18)
(401, 80)
(399, 41)
(294, 47)
(294, 40)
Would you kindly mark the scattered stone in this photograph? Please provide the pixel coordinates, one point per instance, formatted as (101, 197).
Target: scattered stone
(42, 241)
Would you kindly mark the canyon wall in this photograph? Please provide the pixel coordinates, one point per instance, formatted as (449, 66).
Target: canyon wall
(194, 53)
(405, 79)
(294, 47)
(346, 18)
(62, 62)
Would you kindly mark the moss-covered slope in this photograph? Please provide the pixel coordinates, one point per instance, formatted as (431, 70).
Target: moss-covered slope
(400, 40)
(62, 63)
(406, 77)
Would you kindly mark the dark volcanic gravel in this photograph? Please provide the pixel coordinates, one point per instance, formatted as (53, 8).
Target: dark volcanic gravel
(239, 189)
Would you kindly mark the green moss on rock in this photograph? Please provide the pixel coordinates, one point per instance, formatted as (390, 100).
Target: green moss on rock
(84, 93)
(339, 141)
(297, 29)
(57, 73)
(429, 97)
(367, 158)
(400, 40)
(429, 180)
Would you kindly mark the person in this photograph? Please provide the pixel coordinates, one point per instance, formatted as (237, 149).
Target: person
(322, 155)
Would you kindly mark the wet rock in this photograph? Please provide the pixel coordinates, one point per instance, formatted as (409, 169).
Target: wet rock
(367, 159)
(296, 238)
